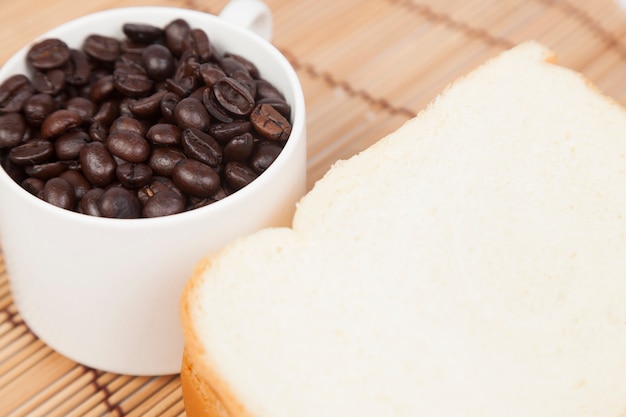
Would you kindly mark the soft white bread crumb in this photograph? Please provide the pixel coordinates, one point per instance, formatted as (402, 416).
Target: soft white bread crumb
(473, 263)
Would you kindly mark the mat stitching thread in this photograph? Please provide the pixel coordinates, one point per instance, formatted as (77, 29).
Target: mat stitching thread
(11, 316)
(111, 407)
(580, 15)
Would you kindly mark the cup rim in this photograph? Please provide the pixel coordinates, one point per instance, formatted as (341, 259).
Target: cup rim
(298, 117)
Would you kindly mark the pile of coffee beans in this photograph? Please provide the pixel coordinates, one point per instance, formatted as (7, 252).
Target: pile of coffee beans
(153, 124)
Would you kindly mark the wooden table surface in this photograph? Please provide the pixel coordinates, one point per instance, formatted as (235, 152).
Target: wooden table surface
(366, 67)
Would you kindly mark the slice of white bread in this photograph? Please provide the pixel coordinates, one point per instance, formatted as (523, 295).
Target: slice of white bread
(472, 263)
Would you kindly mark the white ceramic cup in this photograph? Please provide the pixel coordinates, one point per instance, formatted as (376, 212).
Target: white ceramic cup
(105, 292)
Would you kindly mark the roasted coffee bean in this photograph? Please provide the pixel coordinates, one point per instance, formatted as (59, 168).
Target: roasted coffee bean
(11, 91)
(270, 123)
(134, 175)
(238, 175)
(49, 82)
(201, 146)
(239, 148)
(266, 90)
(249, 65)
(278, 104)
(175, 33)
(46, 170)
(37, 108)
(128, 124)
(98, 132)
(78, 181)
(182, 87)
(164, 134)
(230, 65)
(198, 42)
(223, 132)
(33, 152)
(97, 164)
(168, 106)
(119, 203)
(33, 185)
(158, 62)
(148, 106)
(128, 145)
(77, 69)
(131, 84)
(190, 112)
(49, 53)
(107, 113)
(233, 96)
(141, 32)
(12, 129)
(102, 48)
(163, 160)
(210, 73)
(196, 178)
(264, 155)
(157, 185)
(59, 192)
(102, 89)
(67, 147)
(59, 122)
(213, 107)
(160, 108)
(89, 202)
(164, 203)
(84, 107)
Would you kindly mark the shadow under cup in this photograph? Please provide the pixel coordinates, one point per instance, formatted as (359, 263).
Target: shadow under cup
(105, 292)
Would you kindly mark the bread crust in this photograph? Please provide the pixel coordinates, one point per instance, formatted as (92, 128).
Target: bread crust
(204, 393)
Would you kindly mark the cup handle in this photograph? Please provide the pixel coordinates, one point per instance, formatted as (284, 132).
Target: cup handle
(253, 15)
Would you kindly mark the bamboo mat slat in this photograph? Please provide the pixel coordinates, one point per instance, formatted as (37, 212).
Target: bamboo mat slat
(366, 67)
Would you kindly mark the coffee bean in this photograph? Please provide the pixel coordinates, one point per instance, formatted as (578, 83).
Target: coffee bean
(128, 145)
(119, 203)
(46, 170)
(190, 112)
(175, 33)
(264, 155)
(67, 147)
(159, 116)
(163, 160)
(270, 123)
(82, 106)
(49, 53)
(201, 146)
(10, 90)
(164, 134)
(32, 152)
(59, 122)
(234, 97)
(158, 62)
(196, 178)
(238, 175)
(97, 164)
(197, 41)
(223, 132)
(33, 185)
(142, 33)
(89, 203)
(12, 129)
(164, 203)
(37, 108)
(49, 82)
(77, 69)
(102, 48)
(134, 175)
(59, 192)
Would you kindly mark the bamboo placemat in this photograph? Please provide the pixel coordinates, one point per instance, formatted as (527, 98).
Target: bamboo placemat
(366, 67)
